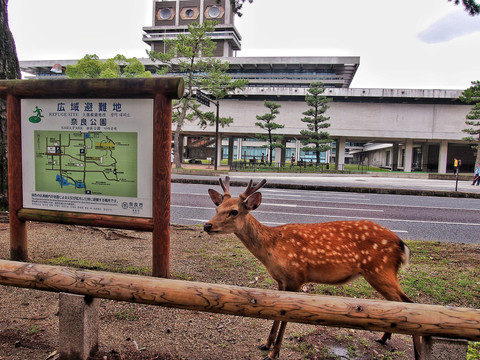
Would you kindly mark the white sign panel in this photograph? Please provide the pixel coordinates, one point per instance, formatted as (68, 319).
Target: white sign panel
(88, 155)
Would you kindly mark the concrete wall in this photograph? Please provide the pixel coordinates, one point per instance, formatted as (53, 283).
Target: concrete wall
(380, 122)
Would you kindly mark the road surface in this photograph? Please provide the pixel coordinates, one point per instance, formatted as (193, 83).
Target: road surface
(410, 217)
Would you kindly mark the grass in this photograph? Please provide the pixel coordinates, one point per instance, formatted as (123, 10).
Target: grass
(128, 314)
(34, 329)
(296, 168)
(118, 266)
(473, 352)
(309, 168)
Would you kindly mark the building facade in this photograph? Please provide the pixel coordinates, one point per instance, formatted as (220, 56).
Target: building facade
(393, 128)
(171, 18)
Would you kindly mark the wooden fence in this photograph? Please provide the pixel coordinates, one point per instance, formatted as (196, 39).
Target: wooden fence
(376, 315)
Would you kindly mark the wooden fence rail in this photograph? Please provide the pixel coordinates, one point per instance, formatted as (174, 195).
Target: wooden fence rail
(376, 315)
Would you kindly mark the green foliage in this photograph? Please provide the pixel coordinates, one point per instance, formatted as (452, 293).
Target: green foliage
(191, 54)
(317, 140)
(90, 67)
(128, 314)
(237, 5)
(473, 351)
(34, 329)
(268, 124)
(472, 96)
(470, 6)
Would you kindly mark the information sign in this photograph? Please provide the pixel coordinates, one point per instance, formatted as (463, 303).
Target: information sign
(88, 155)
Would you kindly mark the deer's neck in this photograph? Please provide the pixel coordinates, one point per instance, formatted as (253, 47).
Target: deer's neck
(255, 236)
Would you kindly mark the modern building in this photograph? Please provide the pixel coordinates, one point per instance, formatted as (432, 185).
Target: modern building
(171, 18)
(392, 128)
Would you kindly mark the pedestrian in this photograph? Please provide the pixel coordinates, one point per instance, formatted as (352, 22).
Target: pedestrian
(292, 160)
(262, 160)
(476, 175)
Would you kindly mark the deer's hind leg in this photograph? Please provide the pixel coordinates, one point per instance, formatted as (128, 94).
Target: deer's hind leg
(390, 289)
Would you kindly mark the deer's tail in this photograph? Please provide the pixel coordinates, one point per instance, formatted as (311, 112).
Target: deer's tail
(405, 257)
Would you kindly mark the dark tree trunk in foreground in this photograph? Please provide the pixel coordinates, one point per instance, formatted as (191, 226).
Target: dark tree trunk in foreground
(9, 69)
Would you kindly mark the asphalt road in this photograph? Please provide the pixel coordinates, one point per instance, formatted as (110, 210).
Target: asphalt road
(411, 217)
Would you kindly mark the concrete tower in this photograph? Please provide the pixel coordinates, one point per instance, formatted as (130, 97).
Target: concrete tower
(171, 17)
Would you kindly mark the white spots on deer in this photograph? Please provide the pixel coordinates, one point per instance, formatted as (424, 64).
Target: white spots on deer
(331, 252)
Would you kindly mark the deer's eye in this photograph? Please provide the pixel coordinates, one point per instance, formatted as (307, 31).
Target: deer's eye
(233, 213)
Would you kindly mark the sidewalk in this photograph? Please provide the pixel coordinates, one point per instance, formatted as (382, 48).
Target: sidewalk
(386, 183)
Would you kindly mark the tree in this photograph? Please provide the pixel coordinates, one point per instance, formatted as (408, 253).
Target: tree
(470, 6)
(316, 140)
(9, 69)
(237, 5)
(90, 67)
(267, 123)
(472, 96)
(191, 54)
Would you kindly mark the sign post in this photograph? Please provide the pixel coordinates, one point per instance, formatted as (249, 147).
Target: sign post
(456, 166)
(75, 156)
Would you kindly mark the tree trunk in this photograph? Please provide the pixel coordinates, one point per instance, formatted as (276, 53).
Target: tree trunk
(9, 69)
(177, 157)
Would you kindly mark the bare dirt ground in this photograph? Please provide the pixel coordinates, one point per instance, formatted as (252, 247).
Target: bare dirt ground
(29, 320)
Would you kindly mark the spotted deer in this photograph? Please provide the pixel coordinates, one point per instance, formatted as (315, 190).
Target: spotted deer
(329, 253)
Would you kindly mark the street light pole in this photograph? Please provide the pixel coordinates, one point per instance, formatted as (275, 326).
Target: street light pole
(217, 104)
(203, 98)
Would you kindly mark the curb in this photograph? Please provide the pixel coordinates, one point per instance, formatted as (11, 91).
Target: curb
(369, 190)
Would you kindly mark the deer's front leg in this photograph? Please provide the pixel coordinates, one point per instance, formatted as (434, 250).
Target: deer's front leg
(271, 337)
(278, 342)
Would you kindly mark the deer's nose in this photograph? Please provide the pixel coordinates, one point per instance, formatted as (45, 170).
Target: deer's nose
(207, 227)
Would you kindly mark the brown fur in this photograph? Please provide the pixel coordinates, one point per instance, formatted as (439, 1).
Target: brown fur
(329, 253)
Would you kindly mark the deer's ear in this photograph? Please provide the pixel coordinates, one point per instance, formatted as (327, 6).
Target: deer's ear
(216, 197)
(253, 201)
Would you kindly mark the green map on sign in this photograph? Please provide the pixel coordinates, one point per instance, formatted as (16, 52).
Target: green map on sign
(96, 163)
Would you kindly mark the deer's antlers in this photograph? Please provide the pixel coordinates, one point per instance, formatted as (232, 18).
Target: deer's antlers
(250, 190)
(226, 187)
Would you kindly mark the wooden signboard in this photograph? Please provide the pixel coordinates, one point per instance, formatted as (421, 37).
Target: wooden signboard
(91, 152)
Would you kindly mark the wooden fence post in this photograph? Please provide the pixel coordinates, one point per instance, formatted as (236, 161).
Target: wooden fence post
(162, 130)
(18, 234)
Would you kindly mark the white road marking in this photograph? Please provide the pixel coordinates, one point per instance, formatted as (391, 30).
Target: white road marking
(272, 224)
(346, 217)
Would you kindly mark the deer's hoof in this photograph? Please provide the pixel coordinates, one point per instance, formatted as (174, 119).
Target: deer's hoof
(383, 340)
(264, 347)
(268, 357)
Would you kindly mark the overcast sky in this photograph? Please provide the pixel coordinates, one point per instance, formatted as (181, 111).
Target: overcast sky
(418, 44)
